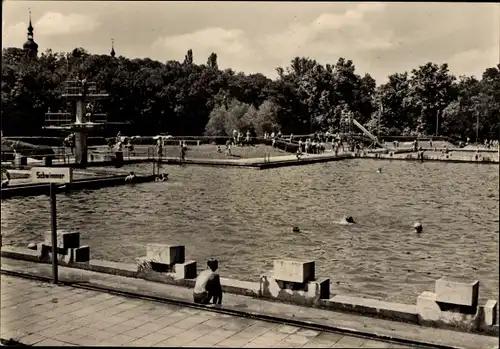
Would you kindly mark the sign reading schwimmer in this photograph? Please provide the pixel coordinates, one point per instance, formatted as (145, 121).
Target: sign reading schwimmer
(52, 174)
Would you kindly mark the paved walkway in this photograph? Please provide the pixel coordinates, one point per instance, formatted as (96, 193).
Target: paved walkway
(43, 314)
(361, 324)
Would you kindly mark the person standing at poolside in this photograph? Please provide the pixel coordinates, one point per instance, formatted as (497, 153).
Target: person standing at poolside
(6, 175)
(208, 287)
(183, 151)
(159, 149)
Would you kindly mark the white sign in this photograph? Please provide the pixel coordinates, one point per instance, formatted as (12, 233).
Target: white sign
(52, 174)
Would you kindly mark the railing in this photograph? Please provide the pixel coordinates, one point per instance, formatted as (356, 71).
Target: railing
(58, 119)
(64, 157)
(73, 88)
(66, 119)
(99, 118)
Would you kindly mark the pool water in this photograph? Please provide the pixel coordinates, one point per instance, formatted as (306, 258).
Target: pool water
(245, 219)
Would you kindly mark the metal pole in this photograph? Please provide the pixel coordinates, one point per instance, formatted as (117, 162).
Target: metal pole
(53, 216)
(477, 128)
(379, 114)
(437, 122)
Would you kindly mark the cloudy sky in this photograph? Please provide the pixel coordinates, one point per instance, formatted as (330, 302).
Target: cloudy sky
(381, 38)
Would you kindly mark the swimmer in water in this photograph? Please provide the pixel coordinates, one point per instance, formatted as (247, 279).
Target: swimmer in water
(207, 286)
(130, 178)
(348, 220)
(379, 170)
(162, 177)
(418, 227)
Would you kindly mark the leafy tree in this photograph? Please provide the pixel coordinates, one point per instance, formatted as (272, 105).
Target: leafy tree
(266, 118)
(185, 98)
(431, 89)
(212, 61)
(188, 59)
(223, 120)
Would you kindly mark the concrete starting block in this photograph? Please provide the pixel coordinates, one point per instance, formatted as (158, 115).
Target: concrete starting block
(65, 239)
(457, 292)
(455, 304)
(68, 248)
(165, 262)
(294, 281)
(293, 271)
(165, 254)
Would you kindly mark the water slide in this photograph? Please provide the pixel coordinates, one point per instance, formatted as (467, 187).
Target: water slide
(365, 131)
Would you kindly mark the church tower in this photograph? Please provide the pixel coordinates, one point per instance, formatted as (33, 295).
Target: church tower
(30, 46)
(112, 53)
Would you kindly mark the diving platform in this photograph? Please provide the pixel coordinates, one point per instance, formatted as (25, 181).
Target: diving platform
(83, 95)
(65, 121)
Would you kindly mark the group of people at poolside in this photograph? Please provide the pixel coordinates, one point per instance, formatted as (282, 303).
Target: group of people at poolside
(121, 143)
(317, 144)
(311, 146)
(236, 140)
(491, 143)
(160, 145)
(239, 140)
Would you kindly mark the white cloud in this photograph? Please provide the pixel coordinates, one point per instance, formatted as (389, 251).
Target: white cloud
(14, 35)
(481, 59)
(50, 24)
(204, 40)
(231, 45)
(257, 37)
(54, 24)
(328, 35)
(331, 34)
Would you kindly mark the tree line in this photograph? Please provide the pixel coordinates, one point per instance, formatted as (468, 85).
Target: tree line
(183, 98)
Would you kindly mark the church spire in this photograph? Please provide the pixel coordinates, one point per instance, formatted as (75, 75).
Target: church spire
(112, 48)
(31, 46)
(30, 28)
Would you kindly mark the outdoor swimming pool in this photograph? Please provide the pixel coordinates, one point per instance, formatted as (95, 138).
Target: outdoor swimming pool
(245, 218)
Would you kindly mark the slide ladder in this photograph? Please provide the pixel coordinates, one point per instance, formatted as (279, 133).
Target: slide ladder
(366, 132)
